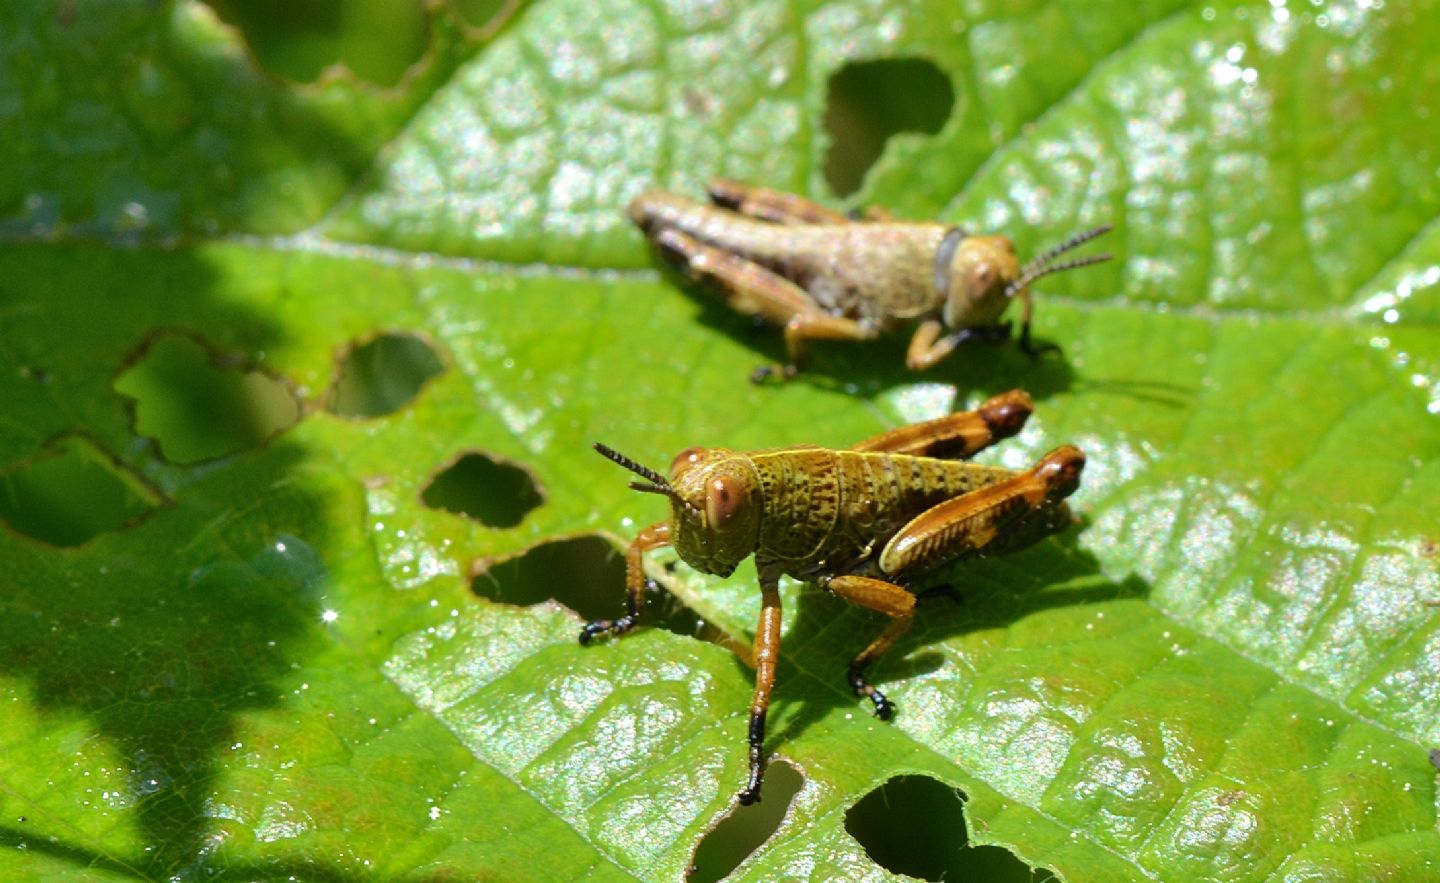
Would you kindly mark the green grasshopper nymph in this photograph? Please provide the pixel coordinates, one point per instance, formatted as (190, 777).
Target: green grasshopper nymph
(822, 275)
(863, 523)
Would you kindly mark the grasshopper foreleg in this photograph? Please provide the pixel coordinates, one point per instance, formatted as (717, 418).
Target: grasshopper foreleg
(652, 537)
(889, 599)
(753, 290)
(927, 348)
(1026, 345)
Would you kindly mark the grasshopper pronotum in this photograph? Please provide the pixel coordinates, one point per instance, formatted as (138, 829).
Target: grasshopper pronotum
(821, 275)
(862, 523)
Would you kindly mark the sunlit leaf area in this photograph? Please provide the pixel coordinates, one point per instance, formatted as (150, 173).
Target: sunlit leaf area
(311, 313)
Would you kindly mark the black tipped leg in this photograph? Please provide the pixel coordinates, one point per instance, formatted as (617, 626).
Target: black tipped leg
(615, 627)
(780, 373)
(884, 708)
(993, 335)
(941, 591)
(1032, 349)
(751, 792)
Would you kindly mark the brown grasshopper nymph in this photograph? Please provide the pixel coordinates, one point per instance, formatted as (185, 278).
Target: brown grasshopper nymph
(824, 276)
(864, 523)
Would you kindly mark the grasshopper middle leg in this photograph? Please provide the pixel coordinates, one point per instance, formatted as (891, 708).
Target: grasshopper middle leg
(955, 529)
(889, 599)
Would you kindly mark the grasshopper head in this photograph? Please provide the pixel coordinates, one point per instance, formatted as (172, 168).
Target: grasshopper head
(978, 275)
(974, 273)
(714, 509)
(715, 513)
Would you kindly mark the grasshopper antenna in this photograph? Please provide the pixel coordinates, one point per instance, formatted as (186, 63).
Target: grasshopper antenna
(655, 478)
(1041, 265)
(1058, 268)
(648, 488)
(656, 484)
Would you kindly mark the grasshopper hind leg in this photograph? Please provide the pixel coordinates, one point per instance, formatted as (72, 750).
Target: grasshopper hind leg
(753, 290)
(774, 206)
(961, 435)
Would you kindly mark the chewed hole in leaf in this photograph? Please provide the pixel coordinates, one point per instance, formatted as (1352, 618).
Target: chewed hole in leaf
(376, 39)
(72, 492)
(869, 101)
(196, 409)
(381, 376)
(493, 491)
(746, 828)
(587, 575)
(915, 825)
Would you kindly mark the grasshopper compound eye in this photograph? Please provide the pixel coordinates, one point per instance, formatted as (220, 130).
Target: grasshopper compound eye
(724, 497)
(982, 279)
(684, 460)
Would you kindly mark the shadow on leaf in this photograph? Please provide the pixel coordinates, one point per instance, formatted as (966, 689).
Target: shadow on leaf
(867, 368)
(989, 594)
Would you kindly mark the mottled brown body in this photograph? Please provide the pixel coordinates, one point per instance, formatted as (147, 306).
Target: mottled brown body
(853, 503)
(863, 523)
(880, 274)
(822, 275)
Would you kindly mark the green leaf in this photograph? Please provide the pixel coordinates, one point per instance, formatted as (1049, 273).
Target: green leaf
(281, 661)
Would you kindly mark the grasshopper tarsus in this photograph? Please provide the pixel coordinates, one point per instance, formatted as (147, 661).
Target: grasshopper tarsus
(884, 708)
(988, 334)
(591, 629)
(609, 627)
(756, 738)
(1032, 349)
(778, 373)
